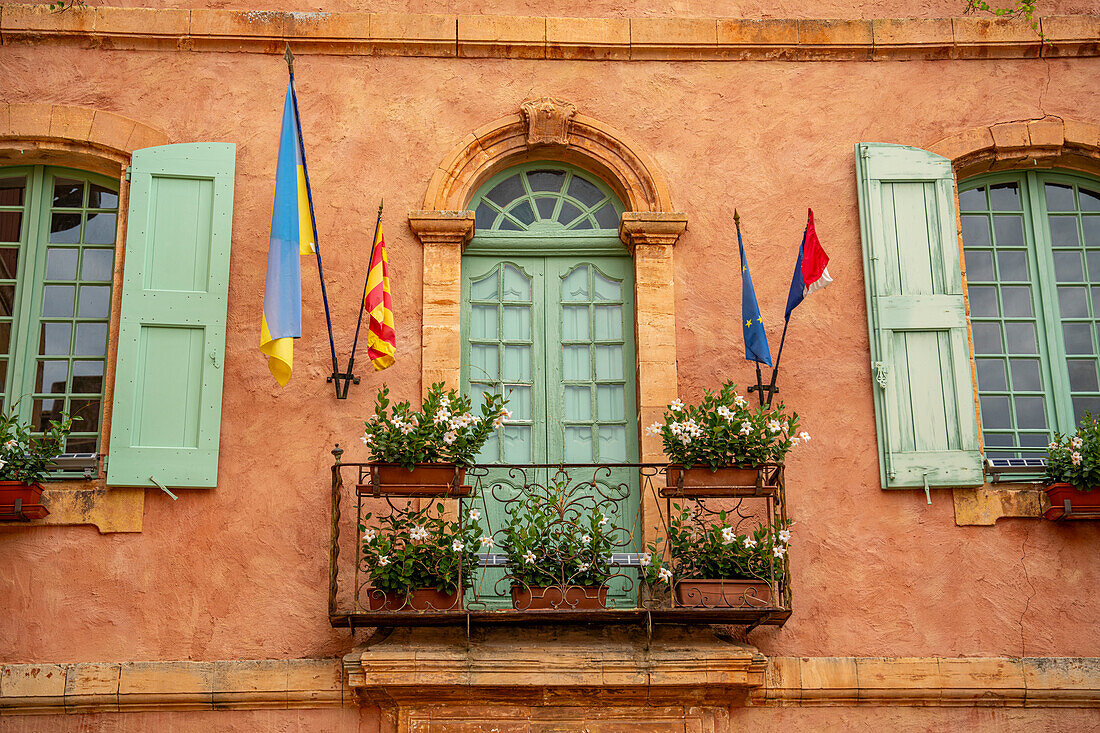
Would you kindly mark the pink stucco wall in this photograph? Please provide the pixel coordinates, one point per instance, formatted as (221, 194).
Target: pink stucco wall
(240, 571)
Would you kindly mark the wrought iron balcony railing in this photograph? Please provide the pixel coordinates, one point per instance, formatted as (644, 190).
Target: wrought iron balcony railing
(594, 536)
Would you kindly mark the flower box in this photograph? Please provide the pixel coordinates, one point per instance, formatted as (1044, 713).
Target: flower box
(425, 479)
(723, 593)
(28, 497)
(1083, 503)
(574, 598)
(421, 599)
(728, 481)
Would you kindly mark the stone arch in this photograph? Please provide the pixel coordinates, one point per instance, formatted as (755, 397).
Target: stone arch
(1043, 142)
(548, 128)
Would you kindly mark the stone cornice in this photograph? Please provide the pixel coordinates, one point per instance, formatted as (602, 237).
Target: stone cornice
(694, 39)
(442, 227)
(651, 227)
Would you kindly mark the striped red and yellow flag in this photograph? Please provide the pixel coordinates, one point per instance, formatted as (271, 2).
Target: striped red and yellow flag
(381, 337)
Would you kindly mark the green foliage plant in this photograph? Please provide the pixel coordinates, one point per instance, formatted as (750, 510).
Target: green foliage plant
(26, 456)
(1075, 459)
(723, 430)
(444, 430)
(1022, 9)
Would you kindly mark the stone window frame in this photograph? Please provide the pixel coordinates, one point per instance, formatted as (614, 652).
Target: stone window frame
(100, 142)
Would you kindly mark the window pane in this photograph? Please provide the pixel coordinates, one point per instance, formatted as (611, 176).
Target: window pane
(517, 286)
(9, 263)
(1021, 338)
(1012, 266)
(576, 363)
(568, 212)
(1068, 267)
(45, 411)
(1063, 231)
(484, 216)
(996, 412)
(606, 289)
(91, 339)
(81, 444)
(972, 200)
(1059, 197)
(102, 198)
(611, 402)
(609, 362)
(517, 363)
(991, 374)
(1017, 300)
(68, 193)
(11, 190)
(1030, 413)
(574, 287)
(578, 445)
(583, 223)
(5, 337)
(585, 192)
(523, 212)
(506, 191)
(1081, 405)
(983, 302)
(1091, 225)
(100, 229)
(546, 208)
(95, 301)
(52, 376)
(609, 322)
(57, 301)
(1073, 302)
(546, 180)
(1082, 375)
(1008, 231)
(507, 224)
(1005, 196)
(574, 322)
(88, 412)
(10, 225)
(979, 266)
(65, 228)
(987, 338)
(1090, 200)
(7, 300)
(484, 358)
(517, 443)
(88, 377)
(1078, 338)
(613, 443)
(578, 403)
(607, 217)
(61, 263)
(1025, 375)
(483, 289)
(976, 231)
(519, 401)
(483, 322)
(97, 265)
(54, 338)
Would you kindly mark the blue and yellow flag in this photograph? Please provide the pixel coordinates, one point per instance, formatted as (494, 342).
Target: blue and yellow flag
(291, 237)
(756, 341)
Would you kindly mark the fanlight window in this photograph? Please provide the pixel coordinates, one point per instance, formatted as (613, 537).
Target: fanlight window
(544, 199)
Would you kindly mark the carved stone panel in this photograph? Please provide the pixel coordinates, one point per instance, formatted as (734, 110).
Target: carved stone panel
(548, 121)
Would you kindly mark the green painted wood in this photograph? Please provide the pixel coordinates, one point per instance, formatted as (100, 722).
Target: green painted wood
(920, 360)
(166, 422)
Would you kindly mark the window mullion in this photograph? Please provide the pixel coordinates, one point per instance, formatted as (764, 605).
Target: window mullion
(30, 286)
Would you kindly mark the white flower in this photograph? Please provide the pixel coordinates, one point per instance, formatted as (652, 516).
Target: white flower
(407, 428)
(749, 542)
(419, 533)
(3, 463)
(457, 546)
(1054, 446)
(529, 556)
(585, 539)
(368, 535)
(475, 514)
(794, 441)
(779, 550)
(584, 566)
(1076, 442)
(383, 560)
(774, 426)
(445, 401)
(486, 541)
(804, 436)
(740, 401)
(645, 559)
(676, 405)
(442, 416)
(728, 535)
(685, 438)
(665, 574)
(1076, 458)
(367, 439)
(784, 535)
(654, 429)
(603, 520)
(725, 412)
(11, 444)
(449, 437)
(746, 427)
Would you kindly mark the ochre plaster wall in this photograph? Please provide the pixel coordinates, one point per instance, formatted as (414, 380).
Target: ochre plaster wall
(239, 572)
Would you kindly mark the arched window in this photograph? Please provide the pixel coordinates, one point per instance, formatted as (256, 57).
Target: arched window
(539, 198)
(1031, 243)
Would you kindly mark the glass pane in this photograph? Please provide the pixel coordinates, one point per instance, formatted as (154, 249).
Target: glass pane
(575, 363)
(609, 322)
(987, 338)
(546, 180)
(546, 208)
(1090, 200)
(65, 228)
(979, 266)
(517, 443)
(9, 262)
(44, 411)
(1092, 257)
(609, 362)
(995, 412)
(611, 402)
(1012, 266)
(607, 217)
(10, 224)
(517, 323)
(11, 191)
(102, 198)
(100, 229)
(81, 445)
(484, 358)
(484, 216)
(578, 445)
(5, 338)
(1073, 302)
(95, 301)
(519, 401)
(88, 412)
(574, 286)
(1034, 440)
(97, 265)
(1008, 231)
(483, 322)
(507, 224)
(1082, 375)
(568, 212)
(976, 231)
(997, 440)
(972, 200)
(606, 289)
(483, 289)
(991, 374)
(1021, 338)
(983, 302)
(523, 212)
(1091, 226)
(1063, 231)
(574, 322)
(584, 223)
(517, 286)
(91, 339)
(578, 403)
(54, 338)
(1017, 300)
(1030, 412)
(585, 192)
(1081, 405)
(490, 452)
(52, 377)
(1068, 267)
(1078, 338)
(1025, 375)
(517, 363)
(506, 191)
(61, 263)
(68, 193)
(613, 443)
(7, 300)
(1005, 197)
(1059, 197)
(57, 301)
(88, 377)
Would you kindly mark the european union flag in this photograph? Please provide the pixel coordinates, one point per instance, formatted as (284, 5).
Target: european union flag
(756, 341)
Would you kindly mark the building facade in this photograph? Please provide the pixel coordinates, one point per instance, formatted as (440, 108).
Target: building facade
(559, 188)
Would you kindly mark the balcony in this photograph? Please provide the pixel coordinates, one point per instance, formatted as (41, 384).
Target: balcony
(626, 506)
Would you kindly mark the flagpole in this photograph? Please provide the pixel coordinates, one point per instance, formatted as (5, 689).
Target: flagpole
(363, 301)
(772, 389)
(313, 220)
(759, 387)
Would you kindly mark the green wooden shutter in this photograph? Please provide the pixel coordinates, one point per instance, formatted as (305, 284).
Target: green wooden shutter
(166, 421)
(920, 355)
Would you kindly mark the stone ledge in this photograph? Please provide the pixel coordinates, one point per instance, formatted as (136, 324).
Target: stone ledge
(985, 505)
(501, 36)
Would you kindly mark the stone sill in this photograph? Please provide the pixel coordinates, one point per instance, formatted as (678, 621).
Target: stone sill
(984, 505)
(479, 36)
(89, 502)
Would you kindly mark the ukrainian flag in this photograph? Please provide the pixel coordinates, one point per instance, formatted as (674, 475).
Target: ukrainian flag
(291, 237)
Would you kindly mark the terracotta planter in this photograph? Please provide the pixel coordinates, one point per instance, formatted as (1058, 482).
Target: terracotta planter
(29, 497)
(732, 481)
(421, 599)
(723, 594)
(425, 479)
(1080, 502)
(575, 598)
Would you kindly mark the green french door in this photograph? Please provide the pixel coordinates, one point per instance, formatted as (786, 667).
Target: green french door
(555, 336)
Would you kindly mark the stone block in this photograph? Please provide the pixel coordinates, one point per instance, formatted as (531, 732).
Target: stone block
(72, 123)
(588, 38)
(92, 688)
(250, 684)
(746, 32)
(829, 679)
(1081, 134)
(313, 681)
(1070, 35)
(984, 506)
(405, 33)
(835, 39)
(243, 24)
(166, 686)
(673, 38)
(1047, 133)
(985, 680)
(783, 680)
(1008, 135)
(111, 130)
(984, 38)
(33, 688)
(907, 38)
(144, 136)
(112, 21)
(963, 143)
(1061, 682)
(499, 36)
(22, 20)
(898, 679)
(29, 120)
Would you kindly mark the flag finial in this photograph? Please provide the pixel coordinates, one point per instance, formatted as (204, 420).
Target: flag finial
(289, 59)
(736, 218)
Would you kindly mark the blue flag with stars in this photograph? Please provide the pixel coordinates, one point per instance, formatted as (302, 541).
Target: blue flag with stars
(756, 341)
